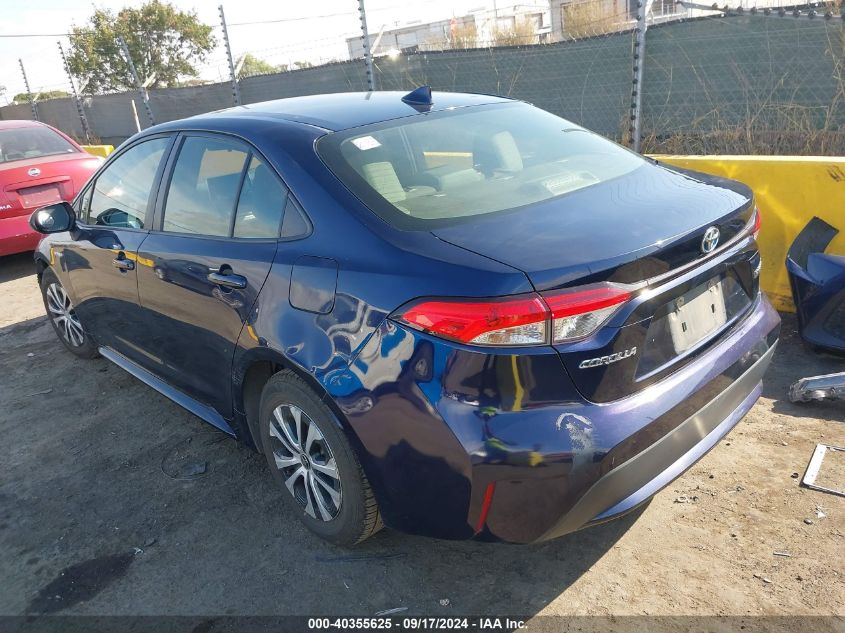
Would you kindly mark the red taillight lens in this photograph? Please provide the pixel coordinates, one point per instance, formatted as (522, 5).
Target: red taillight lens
(580, 312)
(758, 221)
(526, 320)
(508, 321)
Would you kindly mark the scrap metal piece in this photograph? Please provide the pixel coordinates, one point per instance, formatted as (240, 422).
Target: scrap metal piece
(813, 468)
(827, 387)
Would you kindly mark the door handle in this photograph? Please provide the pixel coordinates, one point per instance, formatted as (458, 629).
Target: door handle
(228, 280)
(121, 263)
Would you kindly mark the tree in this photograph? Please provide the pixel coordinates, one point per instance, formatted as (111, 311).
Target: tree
(161, 39)
(22, 97)
(252, 65)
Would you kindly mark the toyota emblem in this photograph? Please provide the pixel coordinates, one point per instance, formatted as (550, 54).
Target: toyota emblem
(710, 240)
(34, 171)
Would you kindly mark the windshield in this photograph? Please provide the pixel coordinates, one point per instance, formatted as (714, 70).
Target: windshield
(23, 143)
(428, 170)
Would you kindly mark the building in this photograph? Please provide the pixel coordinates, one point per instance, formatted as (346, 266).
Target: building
(528, 23)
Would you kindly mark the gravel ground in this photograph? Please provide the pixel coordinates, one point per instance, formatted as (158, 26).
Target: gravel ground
(100, 516)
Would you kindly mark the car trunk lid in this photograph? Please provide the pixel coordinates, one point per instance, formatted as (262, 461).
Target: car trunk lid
(635, 227)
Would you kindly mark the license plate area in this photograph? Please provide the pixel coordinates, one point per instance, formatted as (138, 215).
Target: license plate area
(697, 313)
(686, 322)
(39, 195)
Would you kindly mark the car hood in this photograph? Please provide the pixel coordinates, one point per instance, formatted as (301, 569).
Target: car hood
(632, 228)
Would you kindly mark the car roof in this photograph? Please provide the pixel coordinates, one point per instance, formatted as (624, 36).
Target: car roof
(19, 123)
(340, 111)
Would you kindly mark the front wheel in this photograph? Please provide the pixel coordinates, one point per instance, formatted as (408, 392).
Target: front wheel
(63, 317)
(314, 464)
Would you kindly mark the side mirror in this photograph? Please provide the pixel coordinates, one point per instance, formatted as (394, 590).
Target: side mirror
(54, 218)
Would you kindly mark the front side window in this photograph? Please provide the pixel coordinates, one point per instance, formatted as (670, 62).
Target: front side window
(437, 168)
(204, 187)
(25, 143)
(122, 192)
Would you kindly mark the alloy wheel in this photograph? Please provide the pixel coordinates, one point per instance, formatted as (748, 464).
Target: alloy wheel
(62, 313)
(306, 462)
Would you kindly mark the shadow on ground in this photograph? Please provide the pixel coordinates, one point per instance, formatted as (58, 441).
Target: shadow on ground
(16, 267)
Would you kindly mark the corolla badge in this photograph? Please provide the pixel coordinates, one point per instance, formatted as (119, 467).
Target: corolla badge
(34, 171)
(609, 359)
(710, 240)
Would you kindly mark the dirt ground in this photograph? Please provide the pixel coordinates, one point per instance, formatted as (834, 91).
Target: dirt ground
(101, 514)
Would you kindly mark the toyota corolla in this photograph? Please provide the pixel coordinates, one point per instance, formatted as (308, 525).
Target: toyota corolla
(455, 315)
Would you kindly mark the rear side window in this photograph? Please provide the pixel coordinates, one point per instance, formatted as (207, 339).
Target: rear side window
(25, 143)
(261, 203)
(119, 197)
(204, 186)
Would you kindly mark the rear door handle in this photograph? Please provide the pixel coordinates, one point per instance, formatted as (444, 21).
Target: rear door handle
(121, 263)
(228, 280)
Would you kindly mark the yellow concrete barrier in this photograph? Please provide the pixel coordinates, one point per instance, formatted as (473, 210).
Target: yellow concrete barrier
(99, 150)
(790, 190)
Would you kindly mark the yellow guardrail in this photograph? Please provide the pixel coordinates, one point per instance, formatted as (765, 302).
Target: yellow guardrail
(99, 150)
(790, 190)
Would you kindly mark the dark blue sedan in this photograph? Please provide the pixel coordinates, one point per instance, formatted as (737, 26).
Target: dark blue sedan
(457, 316)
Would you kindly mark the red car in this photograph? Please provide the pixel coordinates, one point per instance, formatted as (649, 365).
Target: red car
(38, 165)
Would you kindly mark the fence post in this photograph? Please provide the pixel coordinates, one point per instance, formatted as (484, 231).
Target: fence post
(643, 7)
(368, 54)
(28, 92)
(141, 89)
(236, 90)
(76, 100)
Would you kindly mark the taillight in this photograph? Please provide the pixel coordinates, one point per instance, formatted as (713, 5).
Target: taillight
(580, 312)
(507, 321)
(554, 317)
(758, 221)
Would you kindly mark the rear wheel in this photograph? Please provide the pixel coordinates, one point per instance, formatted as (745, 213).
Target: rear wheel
(63, 317)
(314, 464)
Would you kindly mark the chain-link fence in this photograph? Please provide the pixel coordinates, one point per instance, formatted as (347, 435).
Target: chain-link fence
(713, 80)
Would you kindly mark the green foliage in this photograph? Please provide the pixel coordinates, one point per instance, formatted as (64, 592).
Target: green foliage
(161, 40)
(22, 97)
(252, 65)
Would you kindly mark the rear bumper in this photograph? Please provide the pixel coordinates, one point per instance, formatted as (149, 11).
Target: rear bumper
(16, 236)
(654, 437)
(641, 477)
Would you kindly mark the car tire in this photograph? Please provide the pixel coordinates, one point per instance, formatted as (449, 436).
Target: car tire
(316, 468)
(62, 316)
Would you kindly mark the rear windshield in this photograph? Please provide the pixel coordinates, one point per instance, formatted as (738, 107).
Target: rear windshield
(424, 171)
(31, 142)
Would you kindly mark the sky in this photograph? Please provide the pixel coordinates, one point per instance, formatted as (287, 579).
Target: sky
(286, 31)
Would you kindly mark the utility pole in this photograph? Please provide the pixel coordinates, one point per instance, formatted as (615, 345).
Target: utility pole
(643, 8)
(140, 87)
(28, 92)
(368, 54)
(236, 90)
(76, 100)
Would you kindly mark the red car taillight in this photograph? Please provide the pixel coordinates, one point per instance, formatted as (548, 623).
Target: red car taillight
(506, 321)
(554, 317)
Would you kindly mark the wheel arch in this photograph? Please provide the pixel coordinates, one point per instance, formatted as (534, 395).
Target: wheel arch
(251, 373)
